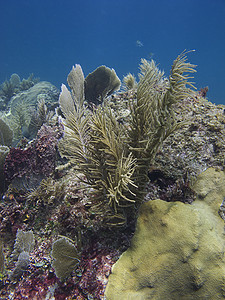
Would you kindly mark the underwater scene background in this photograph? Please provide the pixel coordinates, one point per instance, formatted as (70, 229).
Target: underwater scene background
(48, 37)
(112, 150)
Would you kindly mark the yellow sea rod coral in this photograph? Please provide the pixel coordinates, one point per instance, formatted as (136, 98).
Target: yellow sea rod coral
(115, 156)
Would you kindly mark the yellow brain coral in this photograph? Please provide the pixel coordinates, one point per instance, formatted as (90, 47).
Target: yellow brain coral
(177, 251)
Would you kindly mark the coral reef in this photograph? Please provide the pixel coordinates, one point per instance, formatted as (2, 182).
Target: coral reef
(47, 91)
(27, 110)
(15, 80)
(2, 260)
(13, 216)
(7, 90)
(39, 117)
(38, 158)
(204, 91)
(57, 200)
(25, 84)
(101, 83)
(130, 82)
(96, 263)
(197, 145)
(88, 280)
(114, 157)
(178, 244)
(18, 163)
(25, 121)
(46, 148)
(66, 257)
(4, 150)
(24, 244)
(19, 121)
(11, 87)
(6, 134)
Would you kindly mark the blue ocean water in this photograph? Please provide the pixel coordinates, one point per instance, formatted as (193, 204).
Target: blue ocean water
(47, 37)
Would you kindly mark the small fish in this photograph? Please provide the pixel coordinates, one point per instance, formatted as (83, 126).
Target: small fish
(139, 43)
(150, 55)
(11, 197)
(27, 217)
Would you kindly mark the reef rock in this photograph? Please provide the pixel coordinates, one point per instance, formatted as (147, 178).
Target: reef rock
(42, 90)
(177, 251)
(197, 145)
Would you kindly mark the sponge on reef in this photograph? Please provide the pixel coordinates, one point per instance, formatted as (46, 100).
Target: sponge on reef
(177, 251)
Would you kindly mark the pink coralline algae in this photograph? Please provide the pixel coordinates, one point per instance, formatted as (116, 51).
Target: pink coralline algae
(39, 281)
(12, 216)
(46, 147)
(90, 278)
(38, 158)
(96, 265)
(18, 162)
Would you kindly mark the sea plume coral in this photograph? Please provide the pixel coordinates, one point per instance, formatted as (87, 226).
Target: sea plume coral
(152, 113)
(93, 141)
(113, 156)
(129, 81)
